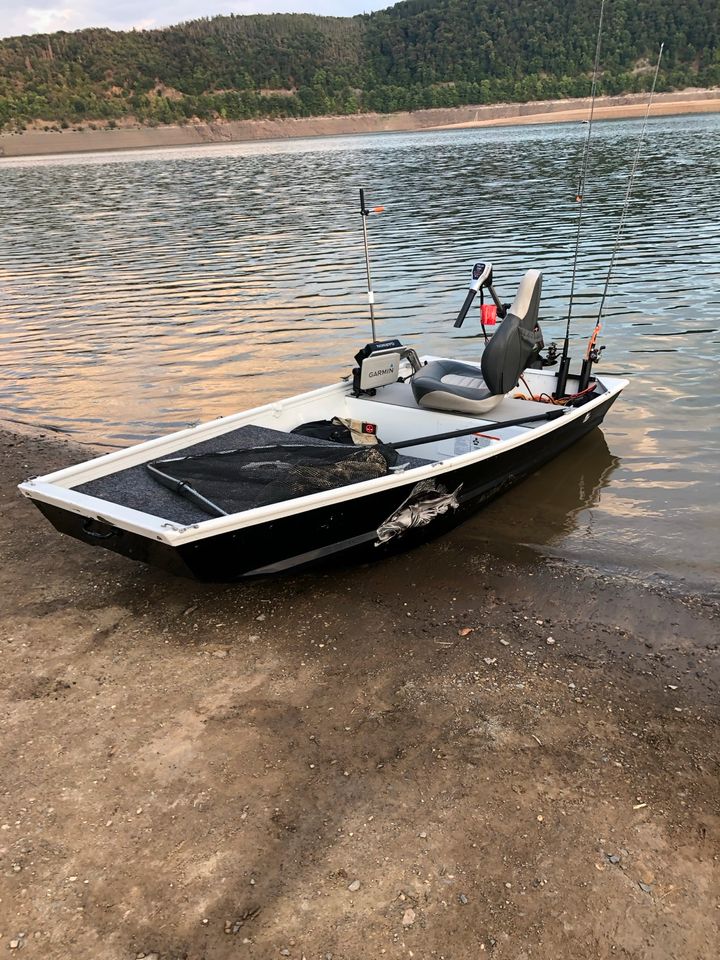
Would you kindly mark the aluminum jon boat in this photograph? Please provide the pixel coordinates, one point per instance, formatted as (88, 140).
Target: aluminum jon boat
(403, 450)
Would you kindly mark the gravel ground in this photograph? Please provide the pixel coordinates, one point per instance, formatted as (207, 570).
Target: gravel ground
(444, 755)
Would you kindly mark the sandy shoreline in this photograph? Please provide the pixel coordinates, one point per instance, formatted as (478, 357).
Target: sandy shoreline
(362, 763)
(36, 143)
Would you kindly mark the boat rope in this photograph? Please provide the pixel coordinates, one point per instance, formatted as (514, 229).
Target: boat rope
(628, 192)
(580, 192)
(547, 398)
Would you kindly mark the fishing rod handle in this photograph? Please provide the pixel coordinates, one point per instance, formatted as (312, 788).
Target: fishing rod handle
(465, 307)
(363, 209)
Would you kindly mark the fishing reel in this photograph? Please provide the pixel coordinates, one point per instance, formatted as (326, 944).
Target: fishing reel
(594, 353)
(551, 355)
(482, 278)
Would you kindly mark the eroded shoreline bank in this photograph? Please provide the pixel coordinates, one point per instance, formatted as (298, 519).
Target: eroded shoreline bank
(37, 143)
(363, 762)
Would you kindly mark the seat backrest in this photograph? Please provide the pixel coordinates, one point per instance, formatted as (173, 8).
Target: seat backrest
(526, 304)
(517, 341)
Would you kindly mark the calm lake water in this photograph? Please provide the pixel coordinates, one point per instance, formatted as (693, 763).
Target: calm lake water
(143, 291)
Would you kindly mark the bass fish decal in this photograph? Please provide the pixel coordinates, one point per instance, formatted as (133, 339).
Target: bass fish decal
(426, 501)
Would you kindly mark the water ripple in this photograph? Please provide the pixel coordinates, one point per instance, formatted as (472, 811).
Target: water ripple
(143, 290)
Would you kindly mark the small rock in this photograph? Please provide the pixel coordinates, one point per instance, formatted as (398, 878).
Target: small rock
(645, 887)
(219, 654)
(285, 952)
(423, 835)
(465, 631)
(508, 885)
(489, 660)
(354, 886)
(613, 858)
(463, 899)
(408, 917)
(14, 944)
(550, 641)
(505, 643)
(261, 617)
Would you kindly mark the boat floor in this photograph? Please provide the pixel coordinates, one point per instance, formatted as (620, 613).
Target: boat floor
(134, 487)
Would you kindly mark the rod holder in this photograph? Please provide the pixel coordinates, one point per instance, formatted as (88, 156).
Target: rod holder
(585, 372)
(562, 376)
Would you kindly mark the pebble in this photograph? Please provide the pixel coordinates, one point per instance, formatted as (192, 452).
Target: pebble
(489, 660)
(354, 886)
(550, 640)
(285, 952)
(14, 944)
(614, 858)
(463, 899)
(408, 917)
(219, 653)
(645, 887)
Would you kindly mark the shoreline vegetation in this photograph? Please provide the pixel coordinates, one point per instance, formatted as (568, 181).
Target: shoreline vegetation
(128, 136)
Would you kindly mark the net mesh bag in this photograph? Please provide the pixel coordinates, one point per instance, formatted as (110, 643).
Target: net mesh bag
(237, 480)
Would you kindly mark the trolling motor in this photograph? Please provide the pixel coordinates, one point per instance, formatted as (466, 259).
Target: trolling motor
(524, 307)
(482, 276)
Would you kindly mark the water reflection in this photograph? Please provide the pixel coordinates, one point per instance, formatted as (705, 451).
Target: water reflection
(140, 292)
(554, 504)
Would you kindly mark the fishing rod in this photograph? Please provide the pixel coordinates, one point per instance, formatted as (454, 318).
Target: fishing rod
(564, 366)
(476, 428)
(365, 213)
(592, 354)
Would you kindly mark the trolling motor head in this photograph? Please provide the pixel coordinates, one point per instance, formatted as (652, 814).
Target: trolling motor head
(482, 277)
(482, 274)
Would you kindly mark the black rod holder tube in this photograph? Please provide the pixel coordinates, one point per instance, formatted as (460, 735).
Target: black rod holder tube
(585, 372)
(562, 375)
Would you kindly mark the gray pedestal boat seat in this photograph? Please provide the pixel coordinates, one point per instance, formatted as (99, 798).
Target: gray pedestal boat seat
(460, 387)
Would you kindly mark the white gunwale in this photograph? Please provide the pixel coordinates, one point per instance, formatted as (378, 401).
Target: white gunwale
(57, 490)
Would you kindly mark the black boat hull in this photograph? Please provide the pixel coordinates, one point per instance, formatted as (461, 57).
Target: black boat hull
(346, 530)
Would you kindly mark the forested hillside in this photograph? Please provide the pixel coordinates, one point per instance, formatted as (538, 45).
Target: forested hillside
(419, 53)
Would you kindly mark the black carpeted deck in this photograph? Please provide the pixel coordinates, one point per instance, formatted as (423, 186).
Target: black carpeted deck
(135, 487)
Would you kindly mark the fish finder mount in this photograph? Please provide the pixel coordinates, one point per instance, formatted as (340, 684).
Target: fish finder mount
(378, 364)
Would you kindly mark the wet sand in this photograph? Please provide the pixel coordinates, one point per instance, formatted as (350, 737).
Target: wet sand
(36, 142)
(386, 761)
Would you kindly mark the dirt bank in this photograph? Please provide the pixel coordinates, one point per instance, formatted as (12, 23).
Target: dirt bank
(545, 111)
(391, 761)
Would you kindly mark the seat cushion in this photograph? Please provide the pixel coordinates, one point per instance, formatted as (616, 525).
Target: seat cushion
(450, 385)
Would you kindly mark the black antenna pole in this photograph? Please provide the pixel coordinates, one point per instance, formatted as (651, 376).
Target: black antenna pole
(564, 366)
(592, 353)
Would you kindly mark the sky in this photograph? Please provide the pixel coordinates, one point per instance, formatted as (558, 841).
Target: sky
(18, 17)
